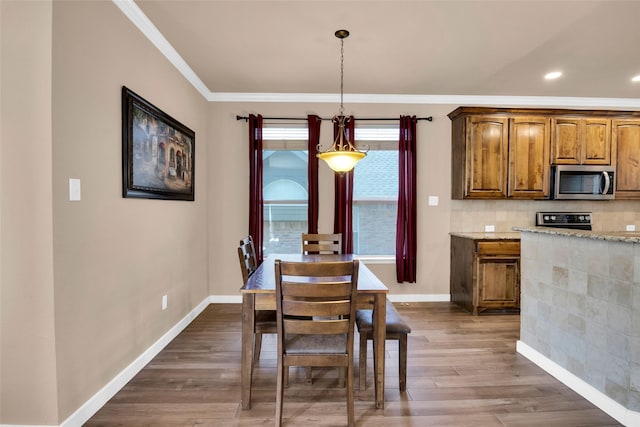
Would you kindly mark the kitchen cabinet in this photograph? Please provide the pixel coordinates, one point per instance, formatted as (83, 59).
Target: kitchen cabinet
(626, 139)
(529, 157)
(485, 273)
(482, 148)
(497, 156)
(580, 141)
(507, 153)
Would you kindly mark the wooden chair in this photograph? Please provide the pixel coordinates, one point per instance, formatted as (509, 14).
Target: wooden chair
(397, 329)
(315, 319)
(265, 320)
(321, 243)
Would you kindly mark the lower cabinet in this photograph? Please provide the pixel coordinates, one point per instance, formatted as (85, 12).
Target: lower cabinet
(485, 274)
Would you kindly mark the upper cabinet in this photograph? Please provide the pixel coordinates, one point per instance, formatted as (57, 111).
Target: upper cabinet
(528, 157)
(626, 139)
(507, 153)
(484, 173)
(580, 141)
(495, 156)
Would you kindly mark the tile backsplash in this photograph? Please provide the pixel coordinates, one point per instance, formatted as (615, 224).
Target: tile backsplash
(473, 215)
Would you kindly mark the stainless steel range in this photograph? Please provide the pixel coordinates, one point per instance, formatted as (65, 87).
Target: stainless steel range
(574, 220)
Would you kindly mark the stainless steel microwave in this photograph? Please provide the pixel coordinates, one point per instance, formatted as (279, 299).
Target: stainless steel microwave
(575, 182)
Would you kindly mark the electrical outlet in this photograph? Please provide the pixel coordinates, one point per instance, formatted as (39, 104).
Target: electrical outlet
(631, 227)
(164, 302)
(489, 228)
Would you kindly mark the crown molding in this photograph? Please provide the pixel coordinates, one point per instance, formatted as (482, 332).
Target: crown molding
(144, 24)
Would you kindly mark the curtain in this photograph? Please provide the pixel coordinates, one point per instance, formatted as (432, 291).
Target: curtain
(406, 224)
(313, 123)
(343, 190)
(256, 205)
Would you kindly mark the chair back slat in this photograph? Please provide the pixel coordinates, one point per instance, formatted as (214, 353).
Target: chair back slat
(324, 327)
(321, 243)
(247, 258)
(334, 289)
(315, 308)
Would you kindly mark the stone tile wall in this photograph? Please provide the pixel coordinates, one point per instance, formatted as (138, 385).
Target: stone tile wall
(580, 307)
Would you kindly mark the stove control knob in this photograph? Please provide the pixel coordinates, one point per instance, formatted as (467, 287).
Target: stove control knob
(553, 217)
(546, 217)
(581, 217)
(587, 217)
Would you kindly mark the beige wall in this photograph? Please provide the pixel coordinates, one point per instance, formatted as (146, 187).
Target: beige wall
(231, 165)
(81, 282)
(114, 257)
(27, 338)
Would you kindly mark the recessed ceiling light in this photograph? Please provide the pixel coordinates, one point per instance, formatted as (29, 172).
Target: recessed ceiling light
(636, 78)
(552, 75)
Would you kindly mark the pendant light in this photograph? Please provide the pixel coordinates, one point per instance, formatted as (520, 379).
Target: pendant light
(342, 156)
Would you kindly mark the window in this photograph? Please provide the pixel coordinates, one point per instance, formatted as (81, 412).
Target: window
(285, 188)
(375, 193)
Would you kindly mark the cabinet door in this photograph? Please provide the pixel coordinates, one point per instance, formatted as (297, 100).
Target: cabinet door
(596, 142)
(580, 141)
(626, 140)
(486, 154)
(498, 282)
(529, 141)
(566, 147)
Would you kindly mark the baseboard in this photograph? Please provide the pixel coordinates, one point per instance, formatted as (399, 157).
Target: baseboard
(623, 415)
(419, 297)
(99, 399)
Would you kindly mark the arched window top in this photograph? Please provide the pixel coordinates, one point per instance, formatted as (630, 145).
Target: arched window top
(284, 189)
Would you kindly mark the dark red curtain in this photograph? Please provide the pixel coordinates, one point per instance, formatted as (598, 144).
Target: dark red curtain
(256, 205)
(406, 244)
(313, 123)
(343, 205)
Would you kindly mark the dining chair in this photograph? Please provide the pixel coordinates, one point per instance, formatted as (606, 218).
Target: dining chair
(321, 243)
(265, 320)
(315, 320)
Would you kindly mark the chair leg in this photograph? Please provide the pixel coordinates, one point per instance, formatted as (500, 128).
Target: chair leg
(363, 361)
(281, 377)
(402, 363)
(257, 347)
(350, 398)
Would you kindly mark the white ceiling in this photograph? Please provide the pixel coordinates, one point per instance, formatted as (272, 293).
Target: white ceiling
(416, 48)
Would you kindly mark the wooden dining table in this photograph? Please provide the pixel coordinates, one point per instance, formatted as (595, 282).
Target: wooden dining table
(259, 293)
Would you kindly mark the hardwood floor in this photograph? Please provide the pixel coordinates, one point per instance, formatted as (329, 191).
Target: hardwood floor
(462, 371)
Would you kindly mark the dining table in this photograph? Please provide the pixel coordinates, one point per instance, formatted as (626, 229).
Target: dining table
(259, 293)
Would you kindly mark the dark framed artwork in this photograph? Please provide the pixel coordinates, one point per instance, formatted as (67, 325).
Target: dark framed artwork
(157, 152)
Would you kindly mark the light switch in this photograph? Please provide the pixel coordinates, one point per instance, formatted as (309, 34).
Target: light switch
(433, 200)
(74, 189)
(631, 227)
(489, 228)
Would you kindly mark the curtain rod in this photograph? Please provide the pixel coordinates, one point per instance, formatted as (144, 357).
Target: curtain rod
(246, 119)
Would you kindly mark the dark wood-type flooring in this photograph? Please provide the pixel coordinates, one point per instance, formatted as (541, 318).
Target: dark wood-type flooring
(462, 371)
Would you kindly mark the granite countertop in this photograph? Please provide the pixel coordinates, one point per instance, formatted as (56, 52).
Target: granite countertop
(616, 236)
(505, 235)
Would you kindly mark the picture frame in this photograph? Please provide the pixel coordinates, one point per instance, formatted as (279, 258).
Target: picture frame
(158, 152)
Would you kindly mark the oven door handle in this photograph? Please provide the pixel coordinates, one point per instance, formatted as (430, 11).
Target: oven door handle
(607, 182)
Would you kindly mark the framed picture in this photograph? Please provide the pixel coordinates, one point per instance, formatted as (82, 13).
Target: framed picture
(157, 152)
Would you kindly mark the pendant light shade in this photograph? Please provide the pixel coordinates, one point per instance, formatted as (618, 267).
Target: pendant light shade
(342, 156)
